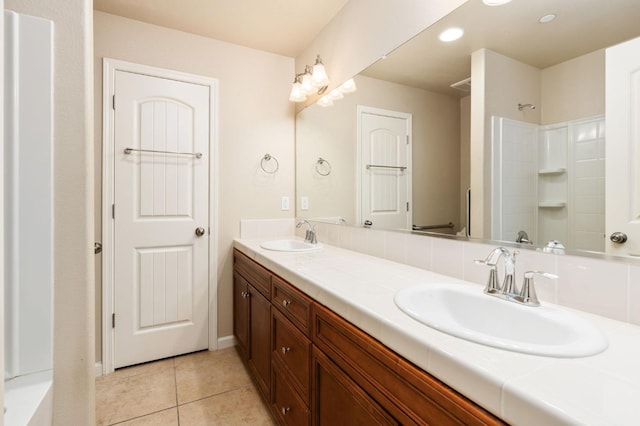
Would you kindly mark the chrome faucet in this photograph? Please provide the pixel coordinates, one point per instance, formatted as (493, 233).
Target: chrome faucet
(310, 236)
(508, 286)
(508, 291)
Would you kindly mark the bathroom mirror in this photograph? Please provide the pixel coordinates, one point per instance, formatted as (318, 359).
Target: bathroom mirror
(548, 91)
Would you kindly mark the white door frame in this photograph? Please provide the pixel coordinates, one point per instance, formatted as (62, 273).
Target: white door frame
(110, 66)
(360, 109)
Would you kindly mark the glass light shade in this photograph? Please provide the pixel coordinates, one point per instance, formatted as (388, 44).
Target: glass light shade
(297, 94)
(335, 94)
(307, 84)
(325, 101)
(348, 86)
(319, 75)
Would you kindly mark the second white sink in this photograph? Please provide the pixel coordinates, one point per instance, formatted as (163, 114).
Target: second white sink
(290, 245)
(466, 312)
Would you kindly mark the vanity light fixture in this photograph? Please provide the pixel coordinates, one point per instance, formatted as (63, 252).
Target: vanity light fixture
(335, 94)
(325, 101)
(348, 86)
(312, 80)
(451, 34)
(297, 93)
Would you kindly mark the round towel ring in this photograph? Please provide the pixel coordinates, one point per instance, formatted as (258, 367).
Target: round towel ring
(323, 167)
(264, 164)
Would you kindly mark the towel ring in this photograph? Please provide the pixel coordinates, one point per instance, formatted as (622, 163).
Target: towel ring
(267, 159)
(319, 165)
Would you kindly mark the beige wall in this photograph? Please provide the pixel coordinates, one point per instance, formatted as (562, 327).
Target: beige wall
(255, 117)
(330, 133)
(498, 85)
(574, 89)
(364, 30)
(73, 337)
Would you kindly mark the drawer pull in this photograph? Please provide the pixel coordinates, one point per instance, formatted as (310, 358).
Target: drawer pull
(285, 350)
(286, 303)
(285, 410)
(245, 294)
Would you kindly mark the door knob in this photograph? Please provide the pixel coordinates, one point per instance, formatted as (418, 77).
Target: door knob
(199, 231)
(618, 237)
(367, 223)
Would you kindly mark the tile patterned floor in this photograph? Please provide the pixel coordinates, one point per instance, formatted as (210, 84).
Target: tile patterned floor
(203, 388)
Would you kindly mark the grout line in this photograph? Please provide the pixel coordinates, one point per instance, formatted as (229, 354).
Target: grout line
(249, 386)
(175, 383)
(143, 415)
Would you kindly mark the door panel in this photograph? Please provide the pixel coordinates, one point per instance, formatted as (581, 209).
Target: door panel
(623, 147)
(161, 266)
(385, 160)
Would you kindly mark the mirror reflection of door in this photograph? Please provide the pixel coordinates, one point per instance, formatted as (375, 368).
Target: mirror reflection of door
(623, 157)
(384, 143)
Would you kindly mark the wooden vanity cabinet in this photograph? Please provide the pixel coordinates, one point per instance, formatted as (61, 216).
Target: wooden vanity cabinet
(326, 371)
(252, 318)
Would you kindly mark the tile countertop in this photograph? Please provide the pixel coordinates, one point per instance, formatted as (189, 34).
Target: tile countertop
(519, 388)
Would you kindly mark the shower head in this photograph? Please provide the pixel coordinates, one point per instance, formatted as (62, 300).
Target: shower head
(526, 106)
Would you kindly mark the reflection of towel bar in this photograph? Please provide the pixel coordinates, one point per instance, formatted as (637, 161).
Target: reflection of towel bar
(422, 228)
(153, 151)
(386, 167)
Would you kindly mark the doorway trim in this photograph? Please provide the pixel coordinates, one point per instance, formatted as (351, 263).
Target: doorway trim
(109, 68)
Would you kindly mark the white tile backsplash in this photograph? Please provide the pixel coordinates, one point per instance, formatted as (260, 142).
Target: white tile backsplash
(594, 286)
(447, 257)
(634, 295)
(607, 288)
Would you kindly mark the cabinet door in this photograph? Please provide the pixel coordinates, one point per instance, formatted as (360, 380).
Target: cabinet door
(338, 400)
(241, 314)
(260, 340)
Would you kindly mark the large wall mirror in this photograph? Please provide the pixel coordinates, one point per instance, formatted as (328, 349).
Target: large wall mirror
(514, 110)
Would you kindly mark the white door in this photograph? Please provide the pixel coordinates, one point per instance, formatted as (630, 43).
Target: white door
(623, 147)
(385, 160)
(161, 198)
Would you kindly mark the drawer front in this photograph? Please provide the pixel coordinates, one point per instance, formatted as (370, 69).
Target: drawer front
(292, 303)
(257, 276)
(286, 405)
(405, 391)
(292, 350)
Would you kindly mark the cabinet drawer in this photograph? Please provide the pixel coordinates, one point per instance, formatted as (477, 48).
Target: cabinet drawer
(292, 350)
(292, 303)
(407, 392)
(257, 276)
(286, 405)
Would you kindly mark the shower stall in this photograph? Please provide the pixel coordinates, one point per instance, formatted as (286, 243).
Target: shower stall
(28, 215)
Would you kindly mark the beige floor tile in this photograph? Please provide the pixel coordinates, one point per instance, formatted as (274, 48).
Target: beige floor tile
(239, 407)
(162, 418)
(129, 397)
(206, 373)
(134, 370)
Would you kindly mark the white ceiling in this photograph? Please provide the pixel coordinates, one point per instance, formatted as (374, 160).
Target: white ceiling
(513, 30)
(283, 27)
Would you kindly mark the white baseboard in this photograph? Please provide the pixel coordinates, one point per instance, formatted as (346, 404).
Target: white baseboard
(98, 369)
(226, 342)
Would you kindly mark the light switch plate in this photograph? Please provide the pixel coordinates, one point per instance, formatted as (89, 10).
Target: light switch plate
(285, 203)
(304, 202)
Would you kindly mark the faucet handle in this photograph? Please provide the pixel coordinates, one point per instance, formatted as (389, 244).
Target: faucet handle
(492, 286)
(528, 295)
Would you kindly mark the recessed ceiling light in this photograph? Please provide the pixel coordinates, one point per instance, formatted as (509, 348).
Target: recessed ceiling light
(451, 34)
(547, 18)
(495, 2)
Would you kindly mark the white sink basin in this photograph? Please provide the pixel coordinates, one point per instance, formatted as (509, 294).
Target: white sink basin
(468, 313)
(290, 245)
